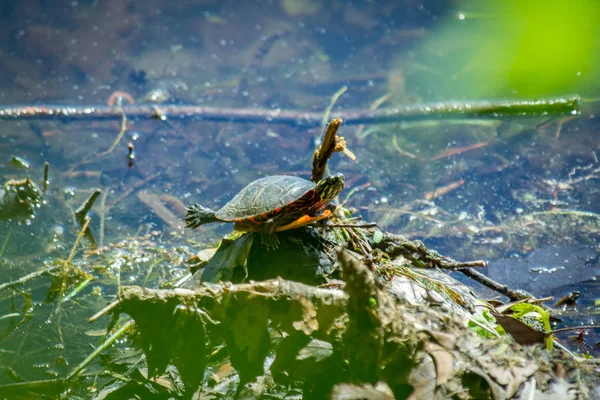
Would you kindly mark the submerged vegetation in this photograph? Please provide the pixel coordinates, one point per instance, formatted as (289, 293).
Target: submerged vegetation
(372, 307)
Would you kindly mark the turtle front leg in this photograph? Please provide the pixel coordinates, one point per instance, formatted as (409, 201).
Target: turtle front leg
(268, 235)
(198, 215)
(269, 240)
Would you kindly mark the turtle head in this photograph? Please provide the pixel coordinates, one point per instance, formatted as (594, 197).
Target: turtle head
(328, 188)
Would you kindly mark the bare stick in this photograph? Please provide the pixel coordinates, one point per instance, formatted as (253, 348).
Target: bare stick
(567, 105)
(46, 168)
(82, 214)
(103, 212)
(325, 150)
(86, 223)
(351, 225)
(107, 343)
(105, 310)
(28, 277)
(119, 136)
(416, 251)
(83, 210)
(54, 386)
(513, 295)
(574, 328)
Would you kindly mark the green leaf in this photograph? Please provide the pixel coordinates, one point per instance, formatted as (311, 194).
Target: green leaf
(229, 255)
(485, 320)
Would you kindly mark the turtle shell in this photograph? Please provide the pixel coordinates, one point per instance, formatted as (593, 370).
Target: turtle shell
(265, 197)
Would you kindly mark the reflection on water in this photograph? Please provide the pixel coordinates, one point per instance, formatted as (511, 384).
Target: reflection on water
(472, 189)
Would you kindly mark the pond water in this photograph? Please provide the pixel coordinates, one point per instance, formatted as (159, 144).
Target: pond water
(521, 192)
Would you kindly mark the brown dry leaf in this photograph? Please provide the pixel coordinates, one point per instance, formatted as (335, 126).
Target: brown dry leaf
(444, 362)
(309, 323)
(521, 374)
(225, 370)
(447, 340)
(162, 380)
(496, 390)
(521, 332)
(423, 379)
(346, 391)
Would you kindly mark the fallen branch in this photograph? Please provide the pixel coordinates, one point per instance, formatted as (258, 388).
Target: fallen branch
(418, 253)
(567, 105)
(513, 295)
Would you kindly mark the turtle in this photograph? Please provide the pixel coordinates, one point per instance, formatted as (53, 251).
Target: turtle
(272, 204)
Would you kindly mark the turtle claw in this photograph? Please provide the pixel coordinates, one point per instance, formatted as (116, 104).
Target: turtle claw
(270, 241)
(197, 215)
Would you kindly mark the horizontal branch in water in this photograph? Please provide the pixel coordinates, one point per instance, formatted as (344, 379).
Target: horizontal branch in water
(568, 105)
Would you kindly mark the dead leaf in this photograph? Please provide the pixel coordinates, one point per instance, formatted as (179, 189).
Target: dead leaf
(346, 391)
(521, 332)
(447, 340)
(444, 362)
(423, 379)
(309, 323)
(318, 350)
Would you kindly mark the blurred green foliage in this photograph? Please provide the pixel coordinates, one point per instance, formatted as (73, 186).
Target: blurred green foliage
(511, 49)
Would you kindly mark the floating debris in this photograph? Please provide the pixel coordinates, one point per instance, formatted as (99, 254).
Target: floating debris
(19, 199)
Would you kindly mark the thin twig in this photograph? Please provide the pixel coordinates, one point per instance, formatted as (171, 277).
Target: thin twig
(103, 211)
(28, 277)
(104, 310)
(65, 276)
(86, 223)
(107, 343)
(352, 225)
(374, 106)
(5, 241)
(575, 213)
(484, 327)
(574, 328)
(504, 290)
(82, 212)
(17, 390)
(567, 105)
(119, 136)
